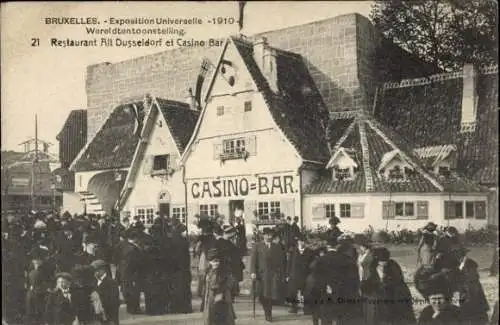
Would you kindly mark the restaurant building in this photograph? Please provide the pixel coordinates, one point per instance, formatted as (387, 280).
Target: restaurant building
(260, 136)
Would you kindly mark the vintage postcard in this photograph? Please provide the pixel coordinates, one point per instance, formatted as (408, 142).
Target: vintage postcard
(239, 162)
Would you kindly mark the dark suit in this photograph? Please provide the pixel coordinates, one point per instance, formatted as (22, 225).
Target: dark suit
(298, 268)
(473, 302)
(268, 265)
(110, 298)
(59, 310)
(130, 273)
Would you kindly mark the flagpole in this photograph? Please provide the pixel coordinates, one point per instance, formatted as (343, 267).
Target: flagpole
(35, 163)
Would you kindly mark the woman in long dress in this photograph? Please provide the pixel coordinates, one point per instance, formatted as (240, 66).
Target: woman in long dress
(217, 300)
(388, 298)
(427, 244)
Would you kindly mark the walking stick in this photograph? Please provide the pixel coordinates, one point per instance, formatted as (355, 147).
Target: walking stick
(253, 296)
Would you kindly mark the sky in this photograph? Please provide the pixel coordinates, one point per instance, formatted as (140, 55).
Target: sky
(50, 81)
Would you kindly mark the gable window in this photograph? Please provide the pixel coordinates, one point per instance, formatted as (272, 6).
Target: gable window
(233, 146)
(396, 173)
(220, 110)
(444, 171)
(161, 162)
(404, 209)
(342, 173)
(330, 210)
(234, 149)
(248, 106)
(345, 210)
(179, 214)
(453, 209)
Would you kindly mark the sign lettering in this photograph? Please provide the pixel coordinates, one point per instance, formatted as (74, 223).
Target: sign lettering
(233, 187)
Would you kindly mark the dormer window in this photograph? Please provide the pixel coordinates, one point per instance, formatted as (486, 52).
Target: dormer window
(396, 173)
(342, 173)
(343, 164)
(444, 171)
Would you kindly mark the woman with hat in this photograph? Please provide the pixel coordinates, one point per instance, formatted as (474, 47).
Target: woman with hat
(427, 244)
(60, 308)
(388, 297)
(472, 298)
(217, 299)
(437, 288)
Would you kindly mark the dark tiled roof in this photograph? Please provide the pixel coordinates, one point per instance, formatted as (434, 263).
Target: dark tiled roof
(429, 113)
(337, 128)
(297, 108)
(377, 146)
(75, 117)
(181, 120)
(115, 143)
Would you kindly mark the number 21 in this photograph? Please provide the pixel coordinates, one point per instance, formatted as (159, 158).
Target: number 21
(35, 42)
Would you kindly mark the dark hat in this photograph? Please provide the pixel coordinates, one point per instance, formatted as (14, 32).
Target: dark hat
(381, 254)
(67, 227)
(213, 254)
(99, 264)
(132, 233)
(452, 231)
(267, 231)
(431, 226)
(64, 275)
(334, 220)
(295, 218)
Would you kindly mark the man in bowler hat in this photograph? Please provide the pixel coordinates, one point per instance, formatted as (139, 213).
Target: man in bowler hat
(108, 291)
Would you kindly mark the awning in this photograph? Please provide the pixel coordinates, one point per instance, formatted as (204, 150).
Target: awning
(107, 188)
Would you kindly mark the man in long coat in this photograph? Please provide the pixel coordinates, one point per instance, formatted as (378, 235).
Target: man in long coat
(298, 269)
(108, 291)
(267, 265)
(130, 271)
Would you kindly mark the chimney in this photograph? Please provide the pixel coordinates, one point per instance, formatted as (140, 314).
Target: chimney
(469, 99)
(265, 57)
(191, 100)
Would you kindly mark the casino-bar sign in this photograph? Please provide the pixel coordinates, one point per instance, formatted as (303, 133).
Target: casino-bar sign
(241, 186)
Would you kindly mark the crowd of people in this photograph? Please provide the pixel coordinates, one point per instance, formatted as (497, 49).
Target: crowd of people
(44, 256)
(71, 270)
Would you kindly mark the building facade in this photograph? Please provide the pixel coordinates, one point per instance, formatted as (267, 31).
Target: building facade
(155, 182)
(102, 165)
(249, 150)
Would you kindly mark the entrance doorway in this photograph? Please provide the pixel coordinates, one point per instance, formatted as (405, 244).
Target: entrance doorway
(233, 206)
(164, 209)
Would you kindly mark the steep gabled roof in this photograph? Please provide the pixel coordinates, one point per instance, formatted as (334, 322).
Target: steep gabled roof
(181, 120)
(114, 144)
(76, 119)
(374, 143)
(297, 108)
(429, 110)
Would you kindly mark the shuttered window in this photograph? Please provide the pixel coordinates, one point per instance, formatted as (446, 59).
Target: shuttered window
(453, 210)
(422, 210)
(388, 210)
(480, 209)
(319, 211)
(357, 210)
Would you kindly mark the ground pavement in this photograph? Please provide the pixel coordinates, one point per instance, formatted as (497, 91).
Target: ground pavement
(243, 309)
